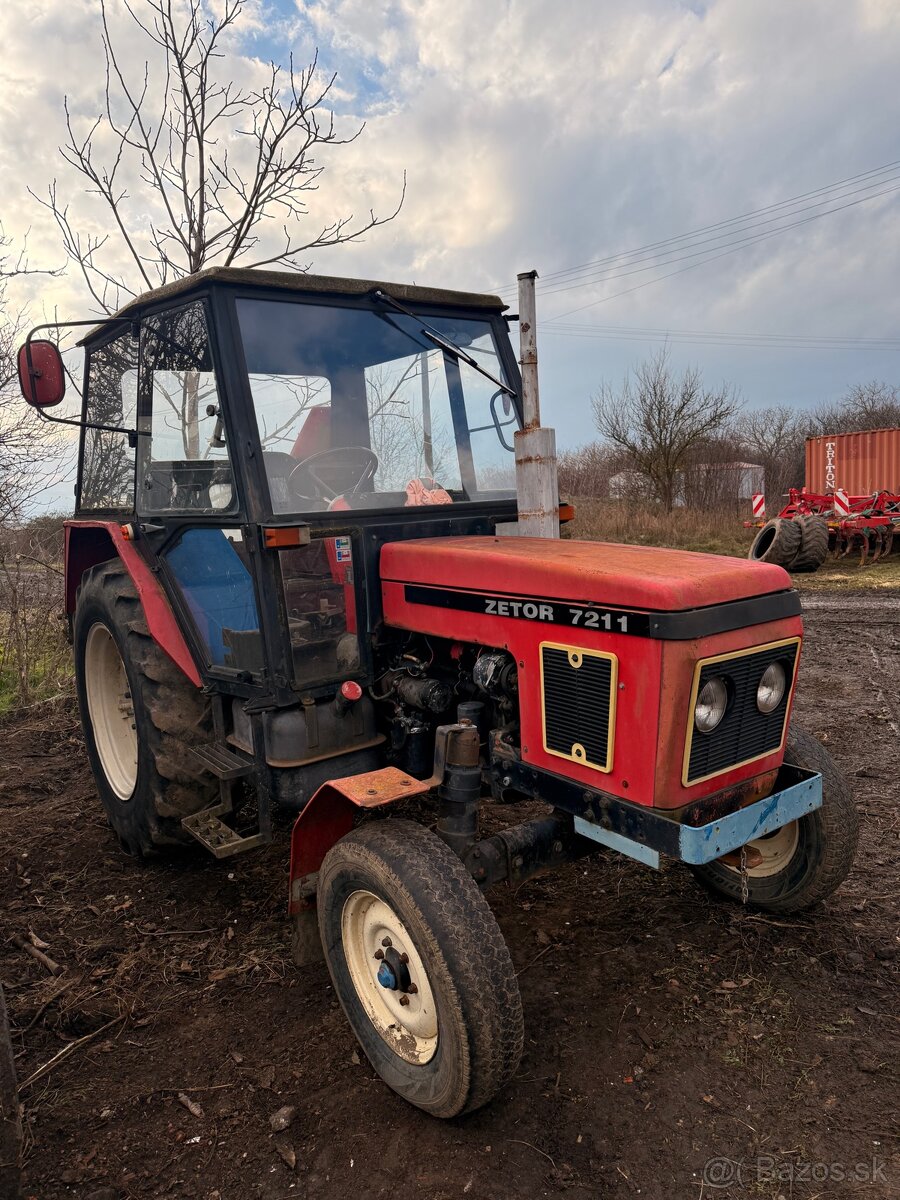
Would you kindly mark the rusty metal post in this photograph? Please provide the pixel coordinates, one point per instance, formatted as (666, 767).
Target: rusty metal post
(10, 1117)
(537, 488)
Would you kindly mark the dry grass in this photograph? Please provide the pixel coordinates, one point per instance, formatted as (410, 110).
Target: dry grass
(683, 529)
(846, 575)
(715, 533)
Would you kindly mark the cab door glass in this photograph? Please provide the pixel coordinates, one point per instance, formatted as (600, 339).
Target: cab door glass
(185, 462)
(212, 570)
(320, 598)
(107, 473)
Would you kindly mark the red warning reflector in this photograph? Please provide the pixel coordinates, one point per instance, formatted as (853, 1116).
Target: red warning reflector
(351, 691)
(841, 503)
(758, 501)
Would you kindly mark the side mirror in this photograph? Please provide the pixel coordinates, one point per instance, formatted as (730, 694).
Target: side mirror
(42, 376)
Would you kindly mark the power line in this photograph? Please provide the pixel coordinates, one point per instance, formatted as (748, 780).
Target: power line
(608, 274)
(739, 343)
(642, 250)
(712, 333)
(723, 254)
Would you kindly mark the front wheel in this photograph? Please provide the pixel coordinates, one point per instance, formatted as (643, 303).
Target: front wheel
(802, 863)
(420, 967)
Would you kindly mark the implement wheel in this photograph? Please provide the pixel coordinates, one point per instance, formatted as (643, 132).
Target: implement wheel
(140, 716)
(777, 542)
(802, 863)
(420, 967)
(813, 544)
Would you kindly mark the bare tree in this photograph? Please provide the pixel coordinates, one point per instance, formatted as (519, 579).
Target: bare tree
(220, 160)
(658, 418)
(27, 445)
(873, 405)
(776, 438)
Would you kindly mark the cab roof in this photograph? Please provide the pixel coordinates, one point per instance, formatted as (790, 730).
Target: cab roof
(296, 281)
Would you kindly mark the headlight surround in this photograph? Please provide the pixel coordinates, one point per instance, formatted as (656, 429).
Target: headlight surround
(771, 689)
(712, 702)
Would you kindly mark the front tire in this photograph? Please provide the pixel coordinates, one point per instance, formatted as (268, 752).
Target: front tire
(141, 716)
(803, 862)
(420, 967)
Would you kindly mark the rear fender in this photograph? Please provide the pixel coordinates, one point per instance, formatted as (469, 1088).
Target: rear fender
(89, 543)
(331, 813)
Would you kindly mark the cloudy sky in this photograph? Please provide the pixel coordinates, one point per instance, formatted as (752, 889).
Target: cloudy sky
(569, 137)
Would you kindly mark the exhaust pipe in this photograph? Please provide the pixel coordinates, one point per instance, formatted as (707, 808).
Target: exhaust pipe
(537, 488)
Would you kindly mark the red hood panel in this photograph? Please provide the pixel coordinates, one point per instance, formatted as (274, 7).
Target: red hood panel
(606, 573)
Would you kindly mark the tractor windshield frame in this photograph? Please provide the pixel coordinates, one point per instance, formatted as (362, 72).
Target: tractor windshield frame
(417, 404)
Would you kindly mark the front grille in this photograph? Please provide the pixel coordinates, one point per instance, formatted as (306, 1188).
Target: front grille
(744, 733)
(578, 691)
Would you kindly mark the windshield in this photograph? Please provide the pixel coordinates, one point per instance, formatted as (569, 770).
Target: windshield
(359, 408)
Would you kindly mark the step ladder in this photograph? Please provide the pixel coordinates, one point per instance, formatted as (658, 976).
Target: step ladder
(207, 825)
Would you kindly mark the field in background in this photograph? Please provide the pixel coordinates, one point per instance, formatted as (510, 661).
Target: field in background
(713, 533)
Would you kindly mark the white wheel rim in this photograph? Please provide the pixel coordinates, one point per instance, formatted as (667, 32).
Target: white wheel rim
(111, 711)
(777, 850)
(409, 1029)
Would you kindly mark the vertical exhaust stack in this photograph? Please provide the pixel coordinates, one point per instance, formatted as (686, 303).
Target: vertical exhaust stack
(537, 488)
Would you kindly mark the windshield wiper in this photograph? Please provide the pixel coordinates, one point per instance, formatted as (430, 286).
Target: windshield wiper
(443, 342)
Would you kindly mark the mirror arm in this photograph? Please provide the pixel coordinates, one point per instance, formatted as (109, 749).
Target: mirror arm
(132, 433)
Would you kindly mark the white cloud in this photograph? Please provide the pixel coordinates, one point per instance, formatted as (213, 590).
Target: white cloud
(539, 134)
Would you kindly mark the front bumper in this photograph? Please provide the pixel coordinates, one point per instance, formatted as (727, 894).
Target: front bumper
(646, 833)
(798, 793)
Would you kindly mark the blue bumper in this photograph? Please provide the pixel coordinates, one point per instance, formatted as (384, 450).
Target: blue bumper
(696, 844)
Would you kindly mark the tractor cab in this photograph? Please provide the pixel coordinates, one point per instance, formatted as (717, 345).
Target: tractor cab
(331, 415)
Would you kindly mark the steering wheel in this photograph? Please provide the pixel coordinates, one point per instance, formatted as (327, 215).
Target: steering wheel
(342, 471)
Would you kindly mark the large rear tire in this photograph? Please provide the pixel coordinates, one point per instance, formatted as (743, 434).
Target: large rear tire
(140, 714)
(420, 967)
(813, 544)
(805, 861)
(777, 542)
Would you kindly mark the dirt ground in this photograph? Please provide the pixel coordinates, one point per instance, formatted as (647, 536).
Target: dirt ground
(674, 1044)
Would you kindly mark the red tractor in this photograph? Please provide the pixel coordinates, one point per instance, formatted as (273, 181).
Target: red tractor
(285, 587)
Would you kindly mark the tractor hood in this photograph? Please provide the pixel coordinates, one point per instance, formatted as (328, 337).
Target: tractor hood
(593, 573)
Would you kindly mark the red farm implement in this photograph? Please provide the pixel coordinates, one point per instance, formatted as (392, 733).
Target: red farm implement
(813, 524)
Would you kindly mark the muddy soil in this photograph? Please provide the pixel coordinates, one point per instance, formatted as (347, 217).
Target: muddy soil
(674, 1044)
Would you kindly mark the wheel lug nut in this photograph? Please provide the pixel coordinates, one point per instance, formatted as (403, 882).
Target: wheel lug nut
(379, 954)
(386, 942)
(404, 958)
(412, 989)
(404, 1000)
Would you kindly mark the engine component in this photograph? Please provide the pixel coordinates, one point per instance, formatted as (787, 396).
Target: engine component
(495, 674)
(427, 695)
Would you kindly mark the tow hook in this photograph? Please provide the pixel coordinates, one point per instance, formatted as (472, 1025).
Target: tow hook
(733, 859)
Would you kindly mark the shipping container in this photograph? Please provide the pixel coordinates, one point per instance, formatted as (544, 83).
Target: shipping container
(859, 463)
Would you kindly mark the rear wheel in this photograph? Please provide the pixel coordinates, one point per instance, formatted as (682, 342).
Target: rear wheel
(141, 716)
(802, 863)
(420, 967)
(777, 542)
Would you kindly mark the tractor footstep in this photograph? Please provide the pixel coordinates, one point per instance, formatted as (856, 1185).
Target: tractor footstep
(220, 839)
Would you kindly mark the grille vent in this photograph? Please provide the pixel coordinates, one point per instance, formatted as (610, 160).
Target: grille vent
(578, 694)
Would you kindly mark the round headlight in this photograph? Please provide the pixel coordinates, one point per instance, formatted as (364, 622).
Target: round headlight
(711, 704)
(770, 692)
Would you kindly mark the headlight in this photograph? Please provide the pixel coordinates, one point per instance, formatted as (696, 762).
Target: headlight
(771, 688)
(711, 704)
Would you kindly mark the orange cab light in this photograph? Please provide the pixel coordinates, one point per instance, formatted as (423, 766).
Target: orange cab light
(280, 539)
